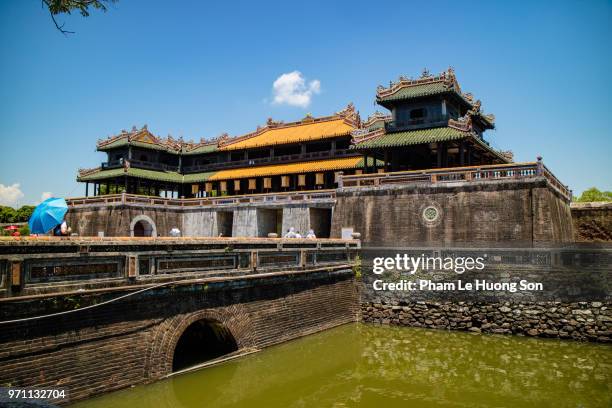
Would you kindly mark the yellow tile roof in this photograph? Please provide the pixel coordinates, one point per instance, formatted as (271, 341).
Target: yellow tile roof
(293, 168)
(293, 133)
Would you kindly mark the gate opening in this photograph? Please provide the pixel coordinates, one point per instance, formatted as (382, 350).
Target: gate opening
(269, 220)
(225, 223)
(143, 229)
(202, 341)
(320, 221)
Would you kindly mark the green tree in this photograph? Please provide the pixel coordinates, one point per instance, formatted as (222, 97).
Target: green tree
(7, 214)
(594, 194)
(68, 6)
(24, 213)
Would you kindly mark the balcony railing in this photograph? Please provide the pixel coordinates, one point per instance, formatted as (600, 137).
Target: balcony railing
(273, 198)
(449, 175)
(268, 160)
(418, 123)
(140, 164)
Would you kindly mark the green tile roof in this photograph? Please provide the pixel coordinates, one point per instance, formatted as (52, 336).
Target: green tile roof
(197, 177)
(124, 142)
(169, 176)
(208, 148)
(415, 91)
(117, 143)
(412, 137)
(360, 163)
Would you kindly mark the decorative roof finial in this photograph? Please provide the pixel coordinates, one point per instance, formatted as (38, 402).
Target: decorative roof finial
(425, 73)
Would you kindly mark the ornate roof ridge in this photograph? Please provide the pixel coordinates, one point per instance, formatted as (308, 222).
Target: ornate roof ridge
(348, 114)
(447, 77)
(463, 124)
(169, 142)
(375, 117)
(85, 172)
(191, 145)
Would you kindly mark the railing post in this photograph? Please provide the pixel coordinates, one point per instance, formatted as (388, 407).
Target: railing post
(540, 166)
(123, 198)
(254, 261)
(131, 267)
(16, 275)
(340, 179)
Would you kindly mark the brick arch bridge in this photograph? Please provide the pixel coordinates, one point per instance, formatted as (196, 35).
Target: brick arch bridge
(159, 359)
(132, 341)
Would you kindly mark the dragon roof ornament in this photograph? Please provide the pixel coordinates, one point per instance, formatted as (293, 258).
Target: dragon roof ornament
(447, 77)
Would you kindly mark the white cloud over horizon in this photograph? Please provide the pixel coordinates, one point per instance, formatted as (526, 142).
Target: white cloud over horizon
(10, 195)
(293, 90)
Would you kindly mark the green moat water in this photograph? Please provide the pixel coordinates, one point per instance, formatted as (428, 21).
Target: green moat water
(361, 365)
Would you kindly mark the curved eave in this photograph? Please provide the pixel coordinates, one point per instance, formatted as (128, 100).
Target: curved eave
(390, 100)
(150, 146)
(424, 136)
(165, 176)
(284, 142)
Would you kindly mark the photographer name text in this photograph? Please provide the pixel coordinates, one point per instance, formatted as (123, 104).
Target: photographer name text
(459, 285)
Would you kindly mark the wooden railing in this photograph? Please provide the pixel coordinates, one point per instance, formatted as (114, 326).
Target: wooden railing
(290, 158)
(458, 174)
(123, 198)
(140, 164)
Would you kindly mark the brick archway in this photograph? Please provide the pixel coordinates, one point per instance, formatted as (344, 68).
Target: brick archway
(158, 362)
(146, 223)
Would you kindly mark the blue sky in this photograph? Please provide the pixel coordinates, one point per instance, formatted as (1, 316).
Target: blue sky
(195, 69)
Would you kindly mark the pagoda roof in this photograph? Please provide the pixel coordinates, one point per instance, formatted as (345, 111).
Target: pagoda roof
(292, 168)
(376, 121)
(455, 130)
(142, 138)
(273, 133)
(100, 174)
(427, 85)
(200, 148)
(307, 129)
(410, 137)
(344, 163)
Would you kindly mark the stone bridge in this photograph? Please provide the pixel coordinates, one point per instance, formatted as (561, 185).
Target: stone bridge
(96, 315)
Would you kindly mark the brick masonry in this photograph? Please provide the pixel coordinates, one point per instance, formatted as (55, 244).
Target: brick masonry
(592, 222)
(132, 341)
(520, 212)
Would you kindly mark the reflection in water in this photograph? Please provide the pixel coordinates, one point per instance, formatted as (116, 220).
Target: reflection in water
(371, 366)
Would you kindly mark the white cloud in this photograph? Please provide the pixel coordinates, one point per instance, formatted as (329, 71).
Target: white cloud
(45, 195)
(10, 195)
(292, 89)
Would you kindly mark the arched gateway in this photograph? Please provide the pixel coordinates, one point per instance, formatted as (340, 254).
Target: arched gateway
(143, 226)
(190, 339)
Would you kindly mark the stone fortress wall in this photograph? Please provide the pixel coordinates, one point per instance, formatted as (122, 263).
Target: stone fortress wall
(592, 222)
(516, 212)
(525, 212)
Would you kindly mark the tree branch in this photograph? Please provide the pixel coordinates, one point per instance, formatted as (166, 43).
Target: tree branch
(60, 27)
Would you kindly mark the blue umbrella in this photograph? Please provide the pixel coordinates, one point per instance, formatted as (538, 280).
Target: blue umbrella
(49, 214)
